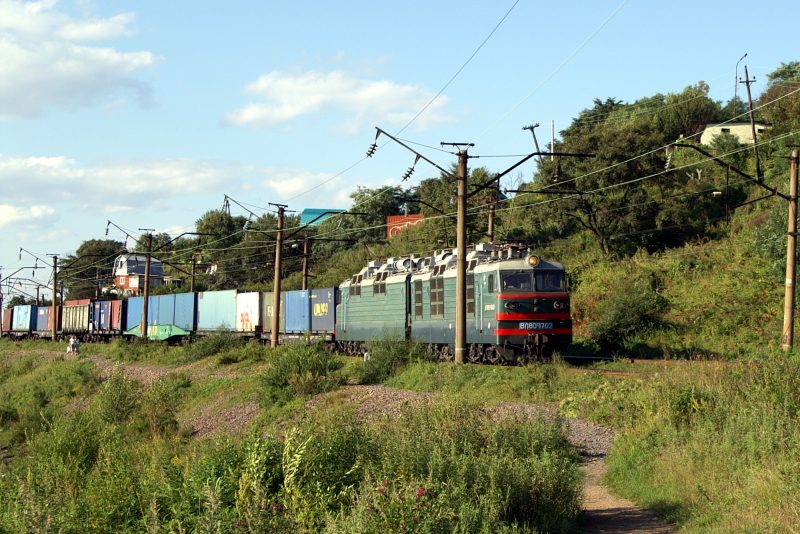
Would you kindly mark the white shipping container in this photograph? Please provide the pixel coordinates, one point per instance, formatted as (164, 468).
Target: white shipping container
(248, 311)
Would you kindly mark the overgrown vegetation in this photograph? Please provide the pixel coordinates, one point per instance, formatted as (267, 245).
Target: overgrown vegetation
(715, 447)
(122, 464)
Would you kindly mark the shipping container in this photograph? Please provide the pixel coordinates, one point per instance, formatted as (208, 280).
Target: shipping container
(77, 302)
(296, 311)
(76, 316)
(267, 311)
(216, 310)
(101, 316)
(171, 315)
(248, 312)
(117, 321)
(43, 323)
(24, 318)
(323, 310)
(133, 316)
(7, 320)
(168, 316)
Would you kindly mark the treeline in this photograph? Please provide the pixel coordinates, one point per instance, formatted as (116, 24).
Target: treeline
(635, 192)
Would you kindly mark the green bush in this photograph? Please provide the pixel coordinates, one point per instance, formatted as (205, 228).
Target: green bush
(299, 370)
(630, 306)
(117, 398)
(386, 357)
(206, 346)
(252, 351)
(160, 403)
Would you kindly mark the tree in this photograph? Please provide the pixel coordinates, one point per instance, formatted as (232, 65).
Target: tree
(90, 268)
(779, 104)
(624, 196)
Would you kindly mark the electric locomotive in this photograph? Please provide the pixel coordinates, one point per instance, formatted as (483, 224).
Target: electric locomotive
(517, 304)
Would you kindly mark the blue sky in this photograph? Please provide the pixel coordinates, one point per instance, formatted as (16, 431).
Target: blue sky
(147, 113)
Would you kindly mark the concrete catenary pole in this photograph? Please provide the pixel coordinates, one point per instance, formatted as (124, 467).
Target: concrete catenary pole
(305, 263)
(276, 286)
(194, 269)
(143, 324)
(461, 259)
(53, 310)
(791, 250)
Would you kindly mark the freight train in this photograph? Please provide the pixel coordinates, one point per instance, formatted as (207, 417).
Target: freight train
(517, 305)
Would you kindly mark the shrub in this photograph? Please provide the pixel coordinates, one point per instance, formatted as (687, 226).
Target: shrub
(630, 307)
(296, 370)
(386, 358)
(251, 351)
(117, 398)
(206, 346)
(160, 404)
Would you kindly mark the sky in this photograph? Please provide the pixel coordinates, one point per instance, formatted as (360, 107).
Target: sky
(148, 113)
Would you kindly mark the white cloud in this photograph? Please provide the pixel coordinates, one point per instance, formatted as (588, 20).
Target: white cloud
(115, 187)
(286, 183)
(289, 96)
(44, 61)
(28, 217)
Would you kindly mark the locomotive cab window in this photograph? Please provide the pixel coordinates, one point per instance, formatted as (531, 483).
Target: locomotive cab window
(550, 281)
(490, 283)
(517, 282)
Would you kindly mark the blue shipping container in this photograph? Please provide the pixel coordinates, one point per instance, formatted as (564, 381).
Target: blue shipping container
(24, 318)
(43, 319)
(216, 310)
(102, 316)
(297, 312)
(323, 309)
(133, 313)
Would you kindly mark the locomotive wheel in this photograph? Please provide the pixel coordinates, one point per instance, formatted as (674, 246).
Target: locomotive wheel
(446, 355)
(474, 354)
(492, 356)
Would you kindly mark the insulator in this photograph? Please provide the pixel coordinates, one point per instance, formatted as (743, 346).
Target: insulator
(408, 173)
(371, 150)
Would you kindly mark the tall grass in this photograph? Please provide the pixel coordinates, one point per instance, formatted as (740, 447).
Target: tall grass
(717, 450)
(431, 470)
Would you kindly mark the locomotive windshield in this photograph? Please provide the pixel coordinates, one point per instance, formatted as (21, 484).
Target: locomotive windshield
(517, 282)
(550, 281)
(538, 281)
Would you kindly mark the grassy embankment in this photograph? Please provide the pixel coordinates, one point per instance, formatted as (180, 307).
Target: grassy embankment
(117, 456)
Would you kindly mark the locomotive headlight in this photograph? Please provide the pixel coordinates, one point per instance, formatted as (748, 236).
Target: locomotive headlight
(533, 260)
(558, 305)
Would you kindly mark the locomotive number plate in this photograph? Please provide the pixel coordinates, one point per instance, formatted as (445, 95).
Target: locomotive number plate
(536, 325)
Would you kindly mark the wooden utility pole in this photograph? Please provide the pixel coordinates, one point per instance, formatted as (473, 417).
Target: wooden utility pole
(787, 341)
(143, 324)
(276, 286)
(53, 310)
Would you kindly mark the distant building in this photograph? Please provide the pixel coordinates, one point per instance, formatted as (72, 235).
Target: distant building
(741, 130)
(129, 274)
(397, 223)
(317, 215)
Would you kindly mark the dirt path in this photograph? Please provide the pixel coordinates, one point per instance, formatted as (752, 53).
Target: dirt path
(604, 513)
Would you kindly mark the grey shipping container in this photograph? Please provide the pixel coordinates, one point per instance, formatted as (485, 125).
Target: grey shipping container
(268, 311)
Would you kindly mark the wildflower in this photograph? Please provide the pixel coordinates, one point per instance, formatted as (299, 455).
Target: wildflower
(381, 491)
(421, 492)
(277, 507)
